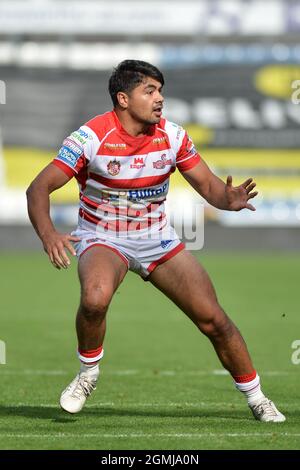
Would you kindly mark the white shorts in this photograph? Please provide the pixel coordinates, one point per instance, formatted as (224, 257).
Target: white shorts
(141, 255)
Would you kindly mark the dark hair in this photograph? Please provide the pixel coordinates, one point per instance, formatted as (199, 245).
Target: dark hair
(129, 74)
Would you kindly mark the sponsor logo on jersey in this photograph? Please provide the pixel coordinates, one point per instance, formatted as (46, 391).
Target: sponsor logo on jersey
(179, 130)
(70, 155)
(115, 146)
(138, 194)
(138, 163)
(117, 197)
(73, 146)
(81, 136)
(190, 148)
(162, 163)
(113, 167)
(160, 140)
(108, 196)
(165, 243)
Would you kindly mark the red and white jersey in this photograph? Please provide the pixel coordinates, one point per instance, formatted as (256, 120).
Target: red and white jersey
(124, 180)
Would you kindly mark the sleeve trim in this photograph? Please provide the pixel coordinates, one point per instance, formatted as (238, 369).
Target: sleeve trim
(191, 164)
(187, 158)
(64, 167)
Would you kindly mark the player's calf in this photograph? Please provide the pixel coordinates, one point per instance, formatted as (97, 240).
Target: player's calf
(232, 351)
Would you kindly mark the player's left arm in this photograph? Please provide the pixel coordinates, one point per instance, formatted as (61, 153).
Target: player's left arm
(219, 194)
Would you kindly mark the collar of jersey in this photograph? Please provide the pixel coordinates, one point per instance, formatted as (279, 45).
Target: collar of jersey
(131, 137)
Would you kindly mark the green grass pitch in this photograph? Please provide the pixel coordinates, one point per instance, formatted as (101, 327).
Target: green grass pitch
(161, 385)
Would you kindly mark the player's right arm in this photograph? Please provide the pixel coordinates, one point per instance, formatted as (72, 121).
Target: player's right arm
(55, 243)
(71, 159)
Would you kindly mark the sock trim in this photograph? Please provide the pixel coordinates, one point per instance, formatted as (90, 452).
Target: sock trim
(249, 388)
(244, 378)
(91, 355)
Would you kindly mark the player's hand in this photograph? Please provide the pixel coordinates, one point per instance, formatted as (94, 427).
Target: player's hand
(238, 197)
(55, 245)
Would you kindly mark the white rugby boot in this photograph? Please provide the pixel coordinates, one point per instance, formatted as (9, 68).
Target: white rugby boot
(265, 410)
(74, 396)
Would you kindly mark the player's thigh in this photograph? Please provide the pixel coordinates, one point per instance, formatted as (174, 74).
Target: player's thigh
(100, 272)
(187, 284)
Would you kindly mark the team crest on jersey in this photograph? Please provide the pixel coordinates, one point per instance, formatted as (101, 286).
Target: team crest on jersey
(113, 167)
(162, 163)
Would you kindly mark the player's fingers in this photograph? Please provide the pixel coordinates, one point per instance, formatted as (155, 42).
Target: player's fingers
(250, 196)
(50, 255)
(57, 259)
(70, 248)
(250, 187)
(64, 257)
(229, 180)
(247, 182)
(62, 254)
(53, 262)
(250, 207)
(73, 239)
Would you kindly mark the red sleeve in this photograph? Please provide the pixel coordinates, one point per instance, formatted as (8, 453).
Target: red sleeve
(65, 168)
(71, 156)
(187, 156)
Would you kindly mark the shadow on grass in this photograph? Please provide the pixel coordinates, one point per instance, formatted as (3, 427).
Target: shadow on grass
(39, 412)
(59, 416)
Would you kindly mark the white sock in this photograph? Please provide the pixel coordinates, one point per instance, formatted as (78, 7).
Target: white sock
(92, 370)
(251, 390)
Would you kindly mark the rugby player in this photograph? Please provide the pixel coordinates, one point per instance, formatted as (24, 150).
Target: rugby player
(122, 161)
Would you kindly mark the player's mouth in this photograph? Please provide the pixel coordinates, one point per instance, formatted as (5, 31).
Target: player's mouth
(158, 111)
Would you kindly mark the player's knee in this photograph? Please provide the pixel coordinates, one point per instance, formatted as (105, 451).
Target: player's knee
(94, 302)
(216, 326)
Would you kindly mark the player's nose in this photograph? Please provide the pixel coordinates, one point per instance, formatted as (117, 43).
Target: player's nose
(159, 99)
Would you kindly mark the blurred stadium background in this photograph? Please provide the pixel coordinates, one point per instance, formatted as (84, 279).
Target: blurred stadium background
(229, 66)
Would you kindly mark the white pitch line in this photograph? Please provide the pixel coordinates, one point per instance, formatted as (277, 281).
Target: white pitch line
(146, 435)
(123, 372)
(33, 372)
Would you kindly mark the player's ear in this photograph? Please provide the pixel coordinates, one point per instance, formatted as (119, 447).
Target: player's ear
(122, 99)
